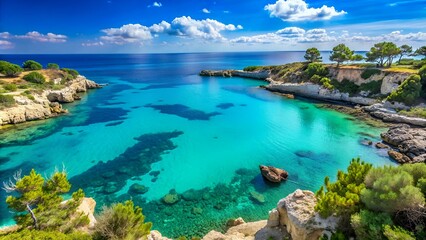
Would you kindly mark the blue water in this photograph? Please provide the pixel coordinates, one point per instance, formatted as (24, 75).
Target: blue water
(161, 125)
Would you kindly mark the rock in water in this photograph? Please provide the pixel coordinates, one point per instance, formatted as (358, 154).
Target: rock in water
(411, 143)
(171, 198)
(137, 188)
(273, 174)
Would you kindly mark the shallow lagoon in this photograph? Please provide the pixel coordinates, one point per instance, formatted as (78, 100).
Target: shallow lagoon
(161, 125)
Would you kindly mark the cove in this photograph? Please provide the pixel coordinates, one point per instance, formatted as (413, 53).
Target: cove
(161, 126)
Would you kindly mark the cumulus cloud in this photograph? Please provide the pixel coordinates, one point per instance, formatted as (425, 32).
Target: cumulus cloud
(5, 35)
(50, 37)
(205, 10)
(298, 10)
(157, 4)
(395, 36)
(161, 27)
(206, 29)
(289, 34)
(129, 33)
(5, 44)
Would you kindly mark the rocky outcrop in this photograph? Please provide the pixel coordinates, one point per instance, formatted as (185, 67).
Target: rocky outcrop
(316, 91)
(45, 104)
(263, 75)
(273, 174)
(296, 213)
(390, 115)
(87, 207)
(409, 143)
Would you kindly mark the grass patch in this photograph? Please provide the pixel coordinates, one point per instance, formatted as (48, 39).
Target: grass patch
(367, 73)
(10, 87)
(415, 112)
(252, 68)
(6, 100)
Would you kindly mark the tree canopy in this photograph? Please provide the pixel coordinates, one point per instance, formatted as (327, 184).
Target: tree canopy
(421, 51)
(405, 51)
(383, 53)
(313, 55)
(32, 65)
(38, 202)
(341, 53)
(9, 69)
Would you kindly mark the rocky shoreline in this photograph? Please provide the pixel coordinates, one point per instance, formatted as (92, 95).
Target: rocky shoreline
(46, 104)
(384, 111)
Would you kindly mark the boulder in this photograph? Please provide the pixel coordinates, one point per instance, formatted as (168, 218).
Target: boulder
(171, 198)
(273, 174)
(87, 207)
(381, 145)
(410, 143)
(235, 222)
(137, 188)
(156, 235)
(257, 197)
(297, 214)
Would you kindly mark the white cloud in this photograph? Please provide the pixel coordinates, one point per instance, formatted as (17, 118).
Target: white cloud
(262, 38)
(50, 37)
(129, 33)
(239, 27)
(291, 32)
(5, 44)
(91, 44)
(5, 35)
(226, 11)
(206, 29)
(298, 10)
(161, 27)
(157, 4)
(205, 10)
(395, 36)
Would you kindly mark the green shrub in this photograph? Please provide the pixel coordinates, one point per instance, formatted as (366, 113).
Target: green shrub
(369, 225)
(408, 92)
(326, 82)
(252, 68)
(72, 74)
(316, 69)
(422, 74)
(367, 73)
(35, 77)
(10, 70)
(419, 63)
(32, 65)
(345, 86)
(121, 221)
(6, 100)
(26, 234)
(373, 87)
(343, 196)
(28, 95)
(10, 87)
(394, 189)
(397, 233)
(52, 66)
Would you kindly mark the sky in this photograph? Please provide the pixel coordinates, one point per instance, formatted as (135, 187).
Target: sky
(162, 26)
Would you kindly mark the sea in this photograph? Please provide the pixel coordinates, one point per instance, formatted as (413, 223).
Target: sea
(185, 148)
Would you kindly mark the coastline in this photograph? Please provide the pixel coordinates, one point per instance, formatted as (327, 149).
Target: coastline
(45, 104)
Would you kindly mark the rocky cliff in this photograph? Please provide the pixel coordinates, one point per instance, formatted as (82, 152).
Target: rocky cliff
(45, 104)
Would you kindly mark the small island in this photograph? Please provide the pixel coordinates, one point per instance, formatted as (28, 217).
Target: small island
(32, 92)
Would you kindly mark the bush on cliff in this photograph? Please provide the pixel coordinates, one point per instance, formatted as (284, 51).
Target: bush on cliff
(32, 65)
(408, 92)
(252, 68)
(10, 70)
(35, 77)
(6, 100)
(70, 74)
(370, 225)
(316, 69)
(367, 73)
(345, 86)
(422, 74)
(26, 234)
(52, 66)
(121, 221)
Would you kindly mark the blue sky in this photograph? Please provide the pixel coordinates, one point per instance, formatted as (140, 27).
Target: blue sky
(145, 26)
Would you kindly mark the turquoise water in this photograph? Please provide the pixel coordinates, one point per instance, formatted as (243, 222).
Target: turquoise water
(161, 125)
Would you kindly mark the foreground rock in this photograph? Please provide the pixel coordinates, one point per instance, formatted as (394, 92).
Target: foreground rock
(387, 114)
(296, 213)
(273, 174)
(409, 143)
(87, 207)
(45, 104)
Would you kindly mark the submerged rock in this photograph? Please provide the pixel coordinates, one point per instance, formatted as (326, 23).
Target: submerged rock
(257, 197)
(381, 145)
(137, 188)
(171, 198)
(273, 174)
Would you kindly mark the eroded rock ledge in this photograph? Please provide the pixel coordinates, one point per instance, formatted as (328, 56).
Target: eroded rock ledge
(409, 143)
(45, 104)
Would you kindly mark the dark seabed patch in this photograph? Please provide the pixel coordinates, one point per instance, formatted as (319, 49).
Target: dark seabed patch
(312, 155)
(135, 107)
(160, 86)
(106, 178)
(4, 160)
(225, 105)
(114, 123)
(99, 115)
(113, 103)
(183, 111)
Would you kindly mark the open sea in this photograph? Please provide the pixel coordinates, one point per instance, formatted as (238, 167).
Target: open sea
(160, 125)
